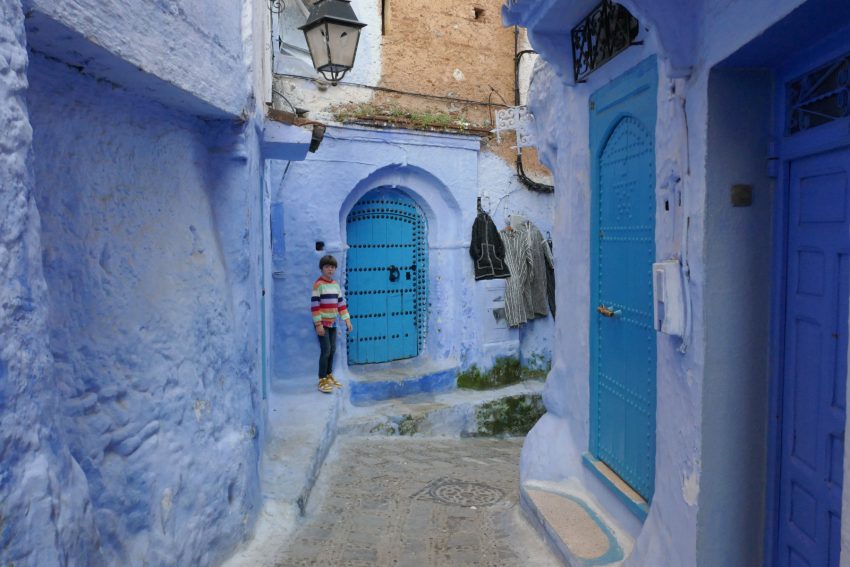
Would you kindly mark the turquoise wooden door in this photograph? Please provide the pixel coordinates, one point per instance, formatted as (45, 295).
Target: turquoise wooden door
(386, 277)
(622, 337)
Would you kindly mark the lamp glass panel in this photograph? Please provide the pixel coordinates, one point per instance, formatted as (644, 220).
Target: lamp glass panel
(343, 44)
(318, 45)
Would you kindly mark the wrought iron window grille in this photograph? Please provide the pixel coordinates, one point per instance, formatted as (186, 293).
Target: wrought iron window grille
(818, 97)
(606, 31)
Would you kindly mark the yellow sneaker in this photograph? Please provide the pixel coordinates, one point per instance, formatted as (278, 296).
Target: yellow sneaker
(334, 381)
(325, 385)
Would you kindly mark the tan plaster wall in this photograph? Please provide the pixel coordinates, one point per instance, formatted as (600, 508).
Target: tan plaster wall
(445, 48)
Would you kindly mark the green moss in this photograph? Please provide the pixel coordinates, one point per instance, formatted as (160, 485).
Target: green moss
(536, 367)
(409, 425)
(383, 428)
(513, 415)
(507, 370)
(504, 372)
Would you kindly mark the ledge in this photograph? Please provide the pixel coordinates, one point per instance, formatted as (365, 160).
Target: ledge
(571, 527)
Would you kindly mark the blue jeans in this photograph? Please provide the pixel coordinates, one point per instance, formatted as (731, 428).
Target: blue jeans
(328, 346)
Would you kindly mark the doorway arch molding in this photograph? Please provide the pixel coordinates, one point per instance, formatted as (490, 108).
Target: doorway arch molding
(441, 208)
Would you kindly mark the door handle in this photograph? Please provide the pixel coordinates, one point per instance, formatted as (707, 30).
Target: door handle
(395, 273)
(605, 312)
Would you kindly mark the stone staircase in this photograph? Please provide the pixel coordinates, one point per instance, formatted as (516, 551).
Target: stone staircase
(400, 398)
(511, 410)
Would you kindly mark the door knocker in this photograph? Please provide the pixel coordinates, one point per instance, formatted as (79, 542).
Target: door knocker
(395, 273)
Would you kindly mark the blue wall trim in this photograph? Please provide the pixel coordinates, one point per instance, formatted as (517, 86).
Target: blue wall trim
(366, 392)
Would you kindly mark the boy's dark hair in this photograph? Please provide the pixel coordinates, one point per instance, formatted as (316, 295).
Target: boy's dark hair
(327, 261)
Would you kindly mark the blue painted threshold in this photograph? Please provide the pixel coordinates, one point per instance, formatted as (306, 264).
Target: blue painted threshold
(371, 383)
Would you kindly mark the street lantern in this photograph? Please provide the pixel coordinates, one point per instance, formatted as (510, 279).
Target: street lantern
(332, 31)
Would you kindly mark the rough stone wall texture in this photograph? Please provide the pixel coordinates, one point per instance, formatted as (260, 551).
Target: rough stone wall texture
(458, 50)
(45, 513)
(198, 51)
(440, 47)
(147, 326)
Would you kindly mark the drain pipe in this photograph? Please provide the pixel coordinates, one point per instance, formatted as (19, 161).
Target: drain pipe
(520, 170)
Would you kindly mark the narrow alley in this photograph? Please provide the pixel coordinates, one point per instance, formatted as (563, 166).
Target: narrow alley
(419, 503)
(438, 283)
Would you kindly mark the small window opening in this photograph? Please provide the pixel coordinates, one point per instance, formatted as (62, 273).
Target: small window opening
(478, 13)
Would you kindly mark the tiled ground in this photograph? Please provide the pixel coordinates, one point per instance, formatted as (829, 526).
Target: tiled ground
(417, 502)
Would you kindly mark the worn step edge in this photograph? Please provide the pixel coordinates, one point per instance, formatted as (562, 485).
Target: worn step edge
(367, 392)
(288, 481)
(618, 545)
(449, 414)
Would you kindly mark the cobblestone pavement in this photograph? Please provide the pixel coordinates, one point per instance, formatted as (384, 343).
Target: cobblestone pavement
(413, 502)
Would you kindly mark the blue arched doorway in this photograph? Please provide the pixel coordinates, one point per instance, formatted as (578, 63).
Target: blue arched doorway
(386, 277)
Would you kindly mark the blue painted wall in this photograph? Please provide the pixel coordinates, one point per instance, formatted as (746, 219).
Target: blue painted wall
(129, 353)
(444, 174)
(712, 132)
(159, 399)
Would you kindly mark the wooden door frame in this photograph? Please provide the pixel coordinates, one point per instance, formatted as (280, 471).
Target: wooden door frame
(595, 155)
(822, 139)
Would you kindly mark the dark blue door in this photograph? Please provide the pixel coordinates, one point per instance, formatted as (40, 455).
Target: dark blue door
(622, 381)
(386, 277)
(815, 365)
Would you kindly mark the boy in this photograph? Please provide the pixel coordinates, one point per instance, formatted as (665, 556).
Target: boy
(325, 303)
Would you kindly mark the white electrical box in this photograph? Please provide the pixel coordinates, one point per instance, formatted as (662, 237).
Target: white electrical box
(669, 299)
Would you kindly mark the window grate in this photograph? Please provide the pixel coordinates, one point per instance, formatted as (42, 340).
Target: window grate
(608, 30)
(818, 97)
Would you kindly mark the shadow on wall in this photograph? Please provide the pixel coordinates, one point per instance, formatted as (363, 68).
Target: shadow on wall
(158, 403)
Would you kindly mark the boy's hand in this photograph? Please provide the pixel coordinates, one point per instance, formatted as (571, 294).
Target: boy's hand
(348, 325)
(320, 329)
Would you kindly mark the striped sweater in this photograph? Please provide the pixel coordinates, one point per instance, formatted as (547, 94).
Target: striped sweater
(326, 302)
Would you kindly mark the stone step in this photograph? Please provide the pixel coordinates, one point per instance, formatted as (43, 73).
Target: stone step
(372, 383)
(574, 528)
(459, 413)
(301, 427)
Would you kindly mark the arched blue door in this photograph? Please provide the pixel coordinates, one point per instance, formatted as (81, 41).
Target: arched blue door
(623, 357)
(386, 277)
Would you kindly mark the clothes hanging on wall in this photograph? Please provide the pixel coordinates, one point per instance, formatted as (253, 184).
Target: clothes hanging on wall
(537, 281)
(550, 274)
(487, 249)
(536, 302)
(518, 259)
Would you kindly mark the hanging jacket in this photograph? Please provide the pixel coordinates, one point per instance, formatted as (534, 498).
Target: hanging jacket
(535, 283)
(518, 258)
(550, 275)
(487, 250)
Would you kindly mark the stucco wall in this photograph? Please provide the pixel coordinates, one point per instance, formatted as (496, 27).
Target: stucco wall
(183, 46)
(45, 513)
(444, 174)
(130, 248)
(738, 251)
(554, 448)
(155, 374)
(712, 415)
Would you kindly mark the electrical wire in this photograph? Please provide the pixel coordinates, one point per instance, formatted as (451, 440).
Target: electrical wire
(286, 100)
(520, 170)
